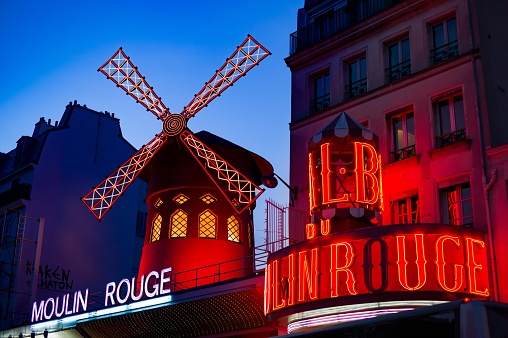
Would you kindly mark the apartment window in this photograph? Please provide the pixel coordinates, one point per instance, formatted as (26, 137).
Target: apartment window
(321, 92)
(155, 234)
(450, 123)
(324, 25)
(233, 229)
(357, 77)
(207, 224)
(445, 44)
(456, 204)
(406, 210)
(399, 62)
(179, 224)
(403, 136)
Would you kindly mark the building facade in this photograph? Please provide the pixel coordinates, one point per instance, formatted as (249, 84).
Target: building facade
(427, 77)
(51, 245)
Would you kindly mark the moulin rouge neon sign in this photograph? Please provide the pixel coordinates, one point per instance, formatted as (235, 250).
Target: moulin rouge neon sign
(435, 258)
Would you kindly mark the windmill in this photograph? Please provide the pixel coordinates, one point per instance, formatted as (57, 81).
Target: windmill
(173, 145)
(125, 75)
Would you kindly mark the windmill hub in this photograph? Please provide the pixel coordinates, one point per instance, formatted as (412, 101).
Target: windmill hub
(174, 124)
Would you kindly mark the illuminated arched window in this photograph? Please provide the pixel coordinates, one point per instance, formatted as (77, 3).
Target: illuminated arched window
(233, 229)
(207, 224)
(178, 224)
(156, 228)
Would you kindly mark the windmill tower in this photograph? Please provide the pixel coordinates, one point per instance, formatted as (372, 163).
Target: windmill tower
(201, 190)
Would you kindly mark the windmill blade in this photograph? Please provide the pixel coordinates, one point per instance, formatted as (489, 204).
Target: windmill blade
(247, 55)
(125, 75)
(229, 180)
(100, 199)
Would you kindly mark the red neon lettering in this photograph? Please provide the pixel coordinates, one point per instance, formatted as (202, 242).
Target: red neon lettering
(365, 170)
(325, 227)
(420, 262)
(458, 269)
(278, 301)
(335, 269)
(313, 188)
(291, 280)
(308, 275)
(327, 176)
(268, 289)
(311, 230)
(472, 266)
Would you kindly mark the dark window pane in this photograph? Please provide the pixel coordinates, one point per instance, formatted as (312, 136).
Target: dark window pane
(398, 133)
(353, 70)
(326, 84)
(393, 55)
(363, 68)
(410, 129)
(405, 49)
(458, 109)
(438, 36)
(443, 117)
(451, 30)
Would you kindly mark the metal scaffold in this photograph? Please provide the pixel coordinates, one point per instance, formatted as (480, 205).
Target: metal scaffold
(20, 239)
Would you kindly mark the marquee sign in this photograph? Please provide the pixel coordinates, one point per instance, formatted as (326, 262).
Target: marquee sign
(416, 262)
(346, 177)
(126, 291)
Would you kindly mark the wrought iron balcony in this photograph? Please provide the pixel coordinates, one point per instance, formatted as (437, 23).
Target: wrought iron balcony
(356, 88)
(403, 153)
(450, 138)
(320, 103)
(398, 71)
(444, 52)
(342, 19)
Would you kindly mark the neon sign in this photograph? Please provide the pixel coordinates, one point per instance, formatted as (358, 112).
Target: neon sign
(416, 261)
(345, 175)
(154, 284)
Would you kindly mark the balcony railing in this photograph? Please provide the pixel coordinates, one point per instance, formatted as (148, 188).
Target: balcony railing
(356, 88)
(451, 138)
(342, 19)
(403, 153)
(398, 71)
(320, 103)
(444, 52)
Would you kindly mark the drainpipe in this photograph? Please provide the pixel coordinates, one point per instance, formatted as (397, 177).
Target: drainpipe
(486, 186)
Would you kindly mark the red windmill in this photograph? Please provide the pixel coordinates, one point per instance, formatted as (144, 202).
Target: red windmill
(169, 185)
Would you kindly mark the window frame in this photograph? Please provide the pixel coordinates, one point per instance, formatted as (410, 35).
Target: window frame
(455, 134)
(445, 214)
(449, 48)
(411, 216)
(321, 102)
(401, 69)
(408, 150)
(359, 85)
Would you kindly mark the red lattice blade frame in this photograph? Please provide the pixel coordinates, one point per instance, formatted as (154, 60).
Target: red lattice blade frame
(247, 55)
(100, 199)
(224, 175)
(125, 75)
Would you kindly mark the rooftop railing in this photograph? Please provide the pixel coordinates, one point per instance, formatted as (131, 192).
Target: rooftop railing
(341, 20)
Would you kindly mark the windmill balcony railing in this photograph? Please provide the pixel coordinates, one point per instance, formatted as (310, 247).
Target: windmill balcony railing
(444, 52)
(398, 71)
(341, 20)
(320, 103)
(451, 138)
(356, 88)
(403, 153)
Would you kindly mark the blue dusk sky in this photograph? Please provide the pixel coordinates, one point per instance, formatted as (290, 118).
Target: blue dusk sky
(50, 52)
